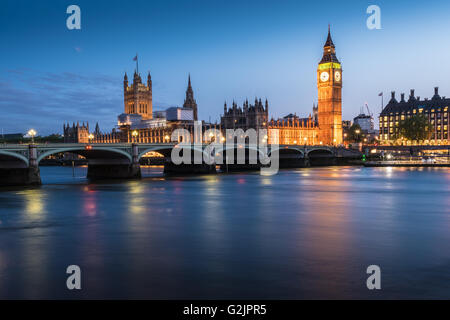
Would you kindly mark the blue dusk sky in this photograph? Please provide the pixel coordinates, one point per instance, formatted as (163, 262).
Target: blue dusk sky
(232, 49)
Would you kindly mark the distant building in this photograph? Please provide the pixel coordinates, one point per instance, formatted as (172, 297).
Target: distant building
(139, 123)
(76, 133)
(189, 102)
(180, 114)
(435, 110)
(365, 122)
(246, 117)
(138, 96)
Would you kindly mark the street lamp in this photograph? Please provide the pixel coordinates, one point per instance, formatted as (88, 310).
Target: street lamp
(91, 137)
(166, 137)
(32, 133)
(134, 134)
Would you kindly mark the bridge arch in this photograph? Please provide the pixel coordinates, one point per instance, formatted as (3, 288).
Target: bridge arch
(15, 156)
(288, 150)
(166, 150)
(86, 152)
(246, 148)
(320, 152)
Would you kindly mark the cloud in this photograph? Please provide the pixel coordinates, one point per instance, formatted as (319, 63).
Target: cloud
(44, 100)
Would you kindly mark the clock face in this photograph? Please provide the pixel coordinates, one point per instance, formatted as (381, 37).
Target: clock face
(324, 76)
(337, 76)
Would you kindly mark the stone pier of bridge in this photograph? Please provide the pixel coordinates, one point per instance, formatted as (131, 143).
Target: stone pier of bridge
(20, 172)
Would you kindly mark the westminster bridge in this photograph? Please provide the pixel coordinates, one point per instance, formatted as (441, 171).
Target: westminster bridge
(19, 163)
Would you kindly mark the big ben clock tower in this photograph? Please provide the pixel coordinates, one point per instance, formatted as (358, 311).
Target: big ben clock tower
(329, 84)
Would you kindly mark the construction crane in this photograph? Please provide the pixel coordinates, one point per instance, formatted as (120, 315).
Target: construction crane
(368, 110)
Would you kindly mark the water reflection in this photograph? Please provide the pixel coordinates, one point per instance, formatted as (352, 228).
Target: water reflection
(306, 233)
(34, 203)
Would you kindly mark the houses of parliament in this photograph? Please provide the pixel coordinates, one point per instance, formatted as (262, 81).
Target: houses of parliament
(140, 124)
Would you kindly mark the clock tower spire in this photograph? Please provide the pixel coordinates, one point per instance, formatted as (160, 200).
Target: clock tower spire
(329, 84)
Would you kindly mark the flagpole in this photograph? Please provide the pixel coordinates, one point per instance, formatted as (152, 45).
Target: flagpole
(137, 63)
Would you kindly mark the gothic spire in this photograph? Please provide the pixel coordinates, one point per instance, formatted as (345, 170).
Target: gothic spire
(329, 42)
(190, 102)
(329, 51)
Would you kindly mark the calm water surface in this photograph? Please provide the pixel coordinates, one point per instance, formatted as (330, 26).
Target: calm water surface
(306, 233)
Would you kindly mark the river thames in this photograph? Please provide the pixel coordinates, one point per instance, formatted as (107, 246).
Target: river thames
(304, 233)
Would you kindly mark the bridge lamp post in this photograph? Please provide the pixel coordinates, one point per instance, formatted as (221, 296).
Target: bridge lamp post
(134, 134)
(32, 133)
(166, 138)
(91, 137)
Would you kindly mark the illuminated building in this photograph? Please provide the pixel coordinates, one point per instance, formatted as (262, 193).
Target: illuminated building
(325, 126)
(329, 83)
(435, 110)
(294, 130)
(138, 123)
(138, 96)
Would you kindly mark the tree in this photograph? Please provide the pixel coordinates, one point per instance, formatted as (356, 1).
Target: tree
(354, 133)
(416, 128)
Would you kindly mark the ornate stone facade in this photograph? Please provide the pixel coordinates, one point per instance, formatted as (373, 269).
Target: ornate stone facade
(76, 133)
(329, 84)
(323, 127)
(138, 96)
(293, 130)
(249, 116)
(435, 110)
(190, 102)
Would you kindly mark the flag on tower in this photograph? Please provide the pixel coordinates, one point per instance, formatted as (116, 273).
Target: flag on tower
(135, 58)
(380, 94)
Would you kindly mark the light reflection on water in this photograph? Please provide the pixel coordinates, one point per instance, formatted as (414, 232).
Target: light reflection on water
(306, 233)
